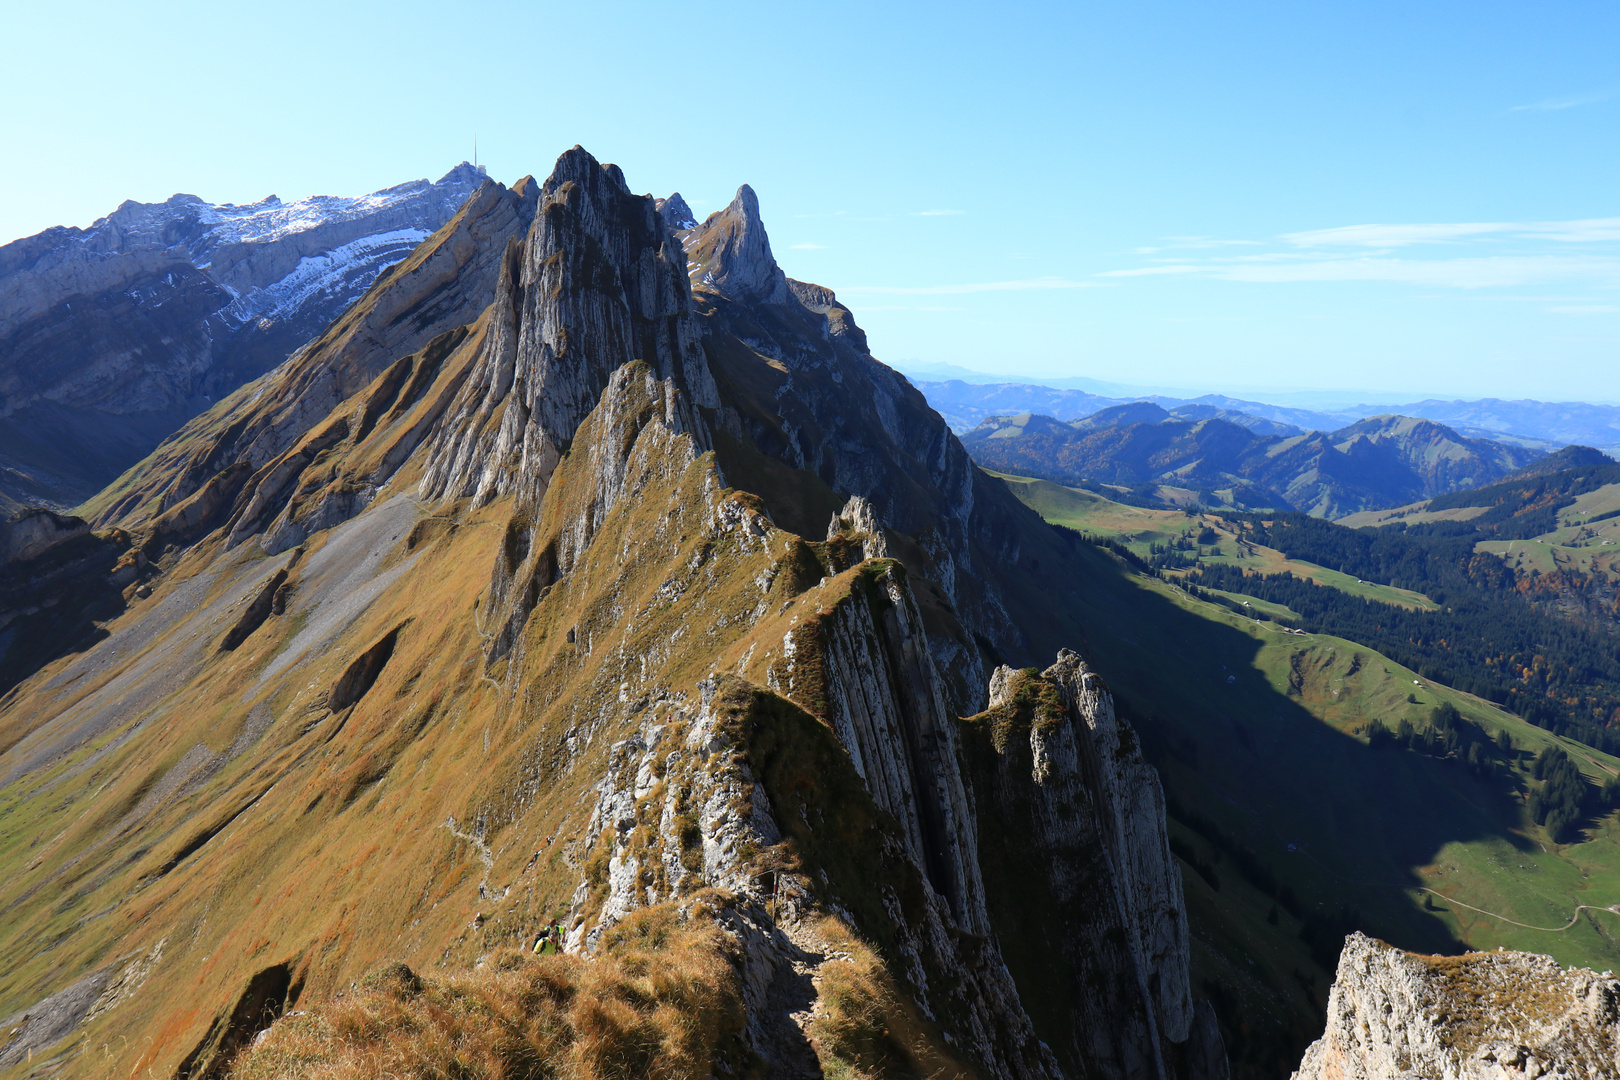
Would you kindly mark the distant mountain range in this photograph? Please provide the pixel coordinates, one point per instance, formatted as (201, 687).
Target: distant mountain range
(113, 336)
(1535, 425)
(1200, 454)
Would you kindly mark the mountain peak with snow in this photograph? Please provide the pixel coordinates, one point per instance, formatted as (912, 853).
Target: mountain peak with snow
(119, 331)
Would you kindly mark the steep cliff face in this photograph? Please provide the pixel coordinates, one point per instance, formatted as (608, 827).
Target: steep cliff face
(597, 284)
(111, 336)
(1477, 1016)
(538, 623)
(1072, 824)
(802, 389)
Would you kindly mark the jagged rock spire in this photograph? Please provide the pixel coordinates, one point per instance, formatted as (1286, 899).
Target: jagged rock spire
(600, 281)
(675, 212)
(732, 254)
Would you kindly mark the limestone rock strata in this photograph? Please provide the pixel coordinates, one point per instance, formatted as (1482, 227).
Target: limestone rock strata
(599, 282)
(1394, 1015)
(732, 254)
(801, 386)
(1071, 821)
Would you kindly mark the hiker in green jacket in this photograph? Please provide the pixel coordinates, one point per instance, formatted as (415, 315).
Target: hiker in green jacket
(549, 942)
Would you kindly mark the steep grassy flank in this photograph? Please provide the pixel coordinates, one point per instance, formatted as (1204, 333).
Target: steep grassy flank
(1414, 514)
(227, 831)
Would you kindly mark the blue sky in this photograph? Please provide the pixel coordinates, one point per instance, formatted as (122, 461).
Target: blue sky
(1407, 198)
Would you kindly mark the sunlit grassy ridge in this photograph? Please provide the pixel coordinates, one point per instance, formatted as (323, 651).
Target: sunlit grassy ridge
(267, 836)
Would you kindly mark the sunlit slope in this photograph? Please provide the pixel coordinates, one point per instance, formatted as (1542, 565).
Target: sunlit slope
(1563, 521)
(1139, 528)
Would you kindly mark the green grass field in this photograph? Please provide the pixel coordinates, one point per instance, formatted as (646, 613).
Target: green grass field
(1139, 528)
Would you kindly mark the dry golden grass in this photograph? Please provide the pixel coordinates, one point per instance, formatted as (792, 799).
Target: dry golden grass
(660, 1000)
(864, 1027)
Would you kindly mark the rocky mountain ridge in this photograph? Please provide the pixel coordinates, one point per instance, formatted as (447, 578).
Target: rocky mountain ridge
(588, 565)
(111, 336)
(1378, 462)
(1534, 425)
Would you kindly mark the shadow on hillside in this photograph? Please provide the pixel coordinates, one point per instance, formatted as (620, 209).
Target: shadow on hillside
(1330, 829)
(55, 605)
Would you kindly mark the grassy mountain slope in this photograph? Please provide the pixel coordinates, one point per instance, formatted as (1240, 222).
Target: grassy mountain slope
(351, 727)
(1559, 518)
(289, 765)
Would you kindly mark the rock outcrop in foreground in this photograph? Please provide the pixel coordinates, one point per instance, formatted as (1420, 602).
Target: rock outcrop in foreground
(1480, 1016)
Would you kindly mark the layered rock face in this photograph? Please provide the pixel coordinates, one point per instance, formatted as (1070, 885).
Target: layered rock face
(616, 593)
(600, 282)
(111, 336)
(802, 388)
(1480, 1016)
(1071, 821)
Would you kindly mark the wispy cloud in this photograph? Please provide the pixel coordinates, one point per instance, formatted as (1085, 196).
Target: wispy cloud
(938, 213)
(1492, 271)
(809, 247)
(1388, 236)
(1586, 309)
(1557, 104)
(1192, 243)
(1580, 231)
(1032, 284)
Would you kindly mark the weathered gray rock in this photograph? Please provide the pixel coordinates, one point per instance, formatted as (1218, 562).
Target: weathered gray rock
(1146, 880)
(31, 532)
(1395, 1015)
(733, 256)
(676, 214)
(1077, 827)
(825, 405)
(860, 523)
(599, 282)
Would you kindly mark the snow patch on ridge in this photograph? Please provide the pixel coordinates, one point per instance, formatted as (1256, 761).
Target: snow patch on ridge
(350, 269)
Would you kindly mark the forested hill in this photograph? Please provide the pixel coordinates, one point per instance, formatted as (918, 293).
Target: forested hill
(1541, 642)
(1486, 638)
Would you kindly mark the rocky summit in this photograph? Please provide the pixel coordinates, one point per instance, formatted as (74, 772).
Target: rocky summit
(112, 336)
(582, 658)
(1481, 1016)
